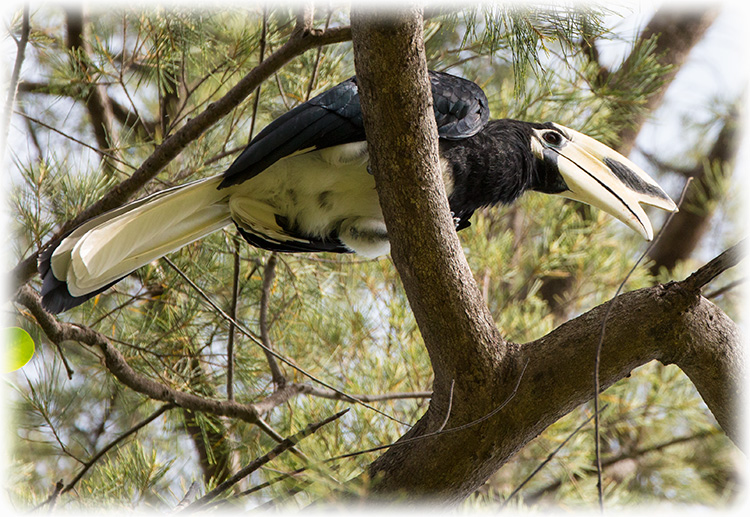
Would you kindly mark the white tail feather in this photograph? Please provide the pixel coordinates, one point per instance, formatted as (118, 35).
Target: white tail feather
(114, 244)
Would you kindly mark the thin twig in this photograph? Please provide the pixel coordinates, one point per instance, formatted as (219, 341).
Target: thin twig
(600, 344)
(270, 431)
(156, 414)
(450, 406)
(282, 93)
(14, 76)
(259, 462)
(31, 132)
(46, 417)
(308, 389)
(660, 446)
(64, 360)
(51, 499)
(316, 66)
(549, 458)
(185, 501)
(278, 356)
(224, 154)
(269, 274)
(233, 314)
(263, 485)
(262, 50)
(90, 147)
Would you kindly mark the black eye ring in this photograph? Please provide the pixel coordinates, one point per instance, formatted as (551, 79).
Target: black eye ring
(552, 138)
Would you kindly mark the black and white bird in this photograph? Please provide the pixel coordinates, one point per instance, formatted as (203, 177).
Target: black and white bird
(302, 185)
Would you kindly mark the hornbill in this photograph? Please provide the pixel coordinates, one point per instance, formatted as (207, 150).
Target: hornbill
(302, 184)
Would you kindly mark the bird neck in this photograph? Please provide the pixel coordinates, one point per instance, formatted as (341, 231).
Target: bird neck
(495, 166)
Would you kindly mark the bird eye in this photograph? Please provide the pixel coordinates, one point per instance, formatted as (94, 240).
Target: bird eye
(552, 138)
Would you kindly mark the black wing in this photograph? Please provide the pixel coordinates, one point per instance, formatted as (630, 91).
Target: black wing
(335, 117)
(460, 105)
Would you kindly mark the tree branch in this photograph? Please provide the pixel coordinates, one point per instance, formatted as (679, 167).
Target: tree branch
(717, 266)
(57, 332)
(458, 329)
(14, 77)
(269, 274)
(233, 315)
(302, 39)
(671, 323)
(257, 463)
(96, 99)
(117, 364)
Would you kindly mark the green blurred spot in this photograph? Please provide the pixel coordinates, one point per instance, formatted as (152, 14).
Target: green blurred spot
(19, 349)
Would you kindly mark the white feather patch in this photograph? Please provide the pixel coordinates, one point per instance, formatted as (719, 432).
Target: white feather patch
(143, 233)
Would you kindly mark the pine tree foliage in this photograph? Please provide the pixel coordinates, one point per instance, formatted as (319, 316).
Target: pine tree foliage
(342, 319)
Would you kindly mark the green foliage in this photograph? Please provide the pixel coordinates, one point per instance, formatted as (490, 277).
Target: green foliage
(343, 319)
(134, 476)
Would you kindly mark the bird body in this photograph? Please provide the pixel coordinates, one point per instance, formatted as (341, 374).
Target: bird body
(303, 184)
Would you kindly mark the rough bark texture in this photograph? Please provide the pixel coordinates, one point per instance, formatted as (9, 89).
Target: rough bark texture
(464, 343)
(554, 374)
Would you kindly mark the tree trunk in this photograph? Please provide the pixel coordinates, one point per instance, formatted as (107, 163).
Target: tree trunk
(475, 369)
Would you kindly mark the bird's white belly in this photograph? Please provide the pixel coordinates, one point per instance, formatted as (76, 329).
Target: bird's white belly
(316, 195)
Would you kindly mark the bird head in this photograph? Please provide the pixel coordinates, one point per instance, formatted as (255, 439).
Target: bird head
(578, 167)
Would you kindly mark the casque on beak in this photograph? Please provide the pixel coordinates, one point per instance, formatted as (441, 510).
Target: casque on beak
(601, 177)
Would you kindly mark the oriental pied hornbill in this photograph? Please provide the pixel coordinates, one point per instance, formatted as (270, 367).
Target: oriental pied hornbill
(302, 184)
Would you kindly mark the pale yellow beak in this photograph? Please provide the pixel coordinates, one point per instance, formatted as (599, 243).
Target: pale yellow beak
(602, 177)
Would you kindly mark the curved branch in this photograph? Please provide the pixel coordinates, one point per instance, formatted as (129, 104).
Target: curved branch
(669, 323)
(58, 332)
